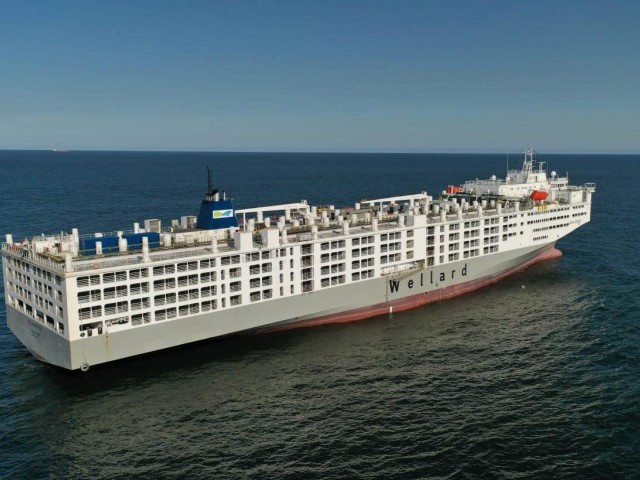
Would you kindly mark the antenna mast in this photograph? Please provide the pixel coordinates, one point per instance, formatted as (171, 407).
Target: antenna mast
(212, 193)
(507, 163)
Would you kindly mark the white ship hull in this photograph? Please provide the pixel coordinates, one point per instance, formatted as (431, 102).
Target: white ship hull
(348, 302)
(80, 300)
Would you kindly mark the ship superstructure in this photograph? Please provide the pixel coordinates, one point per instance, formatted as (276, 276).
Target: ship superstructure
(80, 300)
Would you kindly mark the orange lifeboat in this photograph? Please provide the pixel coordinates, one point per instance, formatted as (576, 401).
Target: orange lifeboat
(454, 189)
(538, 195)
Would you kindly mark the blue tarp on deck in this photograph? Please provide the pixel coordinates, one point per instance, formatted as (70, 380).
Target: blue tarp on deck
(110, 244)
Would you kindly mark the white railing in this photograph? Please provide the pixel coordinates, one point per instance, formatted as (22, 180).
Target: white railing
(83, 264)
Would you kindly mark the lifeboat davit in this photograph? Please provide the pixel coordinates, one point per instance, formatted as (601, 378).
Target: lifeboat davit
(538, 195)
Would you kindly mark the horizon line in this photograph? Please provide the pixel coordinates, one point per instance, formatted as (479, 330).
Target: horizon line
(328, 151)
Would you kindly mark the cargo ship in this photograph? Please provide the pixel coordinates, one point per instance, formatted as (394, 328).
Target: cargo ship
(78, 300)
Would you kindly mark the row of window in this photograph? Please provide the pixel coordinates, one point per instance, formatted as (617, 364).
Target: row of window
(255, 256)
(195, 308)
(40, 316)
(44, 303)
(550, 227)
(390, 258)
(203, 264)
(338, 267)
(362, 240)
(211, 276)
(163, 314)
(471, 253)
(47, 290)
(390, 247)
(265, 267)
(20, 277)
(124, 306)
(37, 271)
(261, 295)
(335, 256)
(336, 244)
(355, 276)
(390, 236)
(113, 292)
(549, 219)
(335, 280)
(46, 275)
(159, 300)
(37, 299)
(41, 287)
(358, 264)
(112, 277)
(361, 252)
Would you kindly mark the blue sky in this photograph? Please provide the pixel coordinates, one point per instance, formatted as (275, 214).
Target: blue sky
(415, 76)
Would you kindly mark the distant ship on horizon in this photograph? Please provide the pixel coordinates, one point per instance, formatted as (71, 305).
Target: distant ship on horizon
(60, 150)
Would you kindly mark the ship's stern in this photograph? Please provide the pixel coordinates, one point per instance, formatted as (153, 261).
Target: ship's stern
(44, 344)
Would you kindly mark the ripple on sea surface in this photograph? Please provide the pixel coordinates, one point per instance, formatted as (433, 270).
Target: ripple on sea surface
(506, 382)
(436, 391)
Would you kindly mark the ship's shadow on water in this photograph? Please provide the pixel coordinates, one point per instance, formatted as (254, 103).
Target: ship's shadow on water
(185, 360)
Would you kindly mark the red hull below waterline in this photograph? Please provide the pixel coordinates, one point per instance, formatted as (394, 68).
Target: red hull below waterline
(413, 301)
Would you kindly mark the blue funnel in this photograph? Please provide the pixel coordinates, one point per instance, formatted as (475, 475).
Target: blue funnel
(216, 214)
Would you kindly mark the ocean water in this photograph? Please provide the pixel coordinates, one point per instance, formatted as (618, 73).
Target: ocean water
(537, 376)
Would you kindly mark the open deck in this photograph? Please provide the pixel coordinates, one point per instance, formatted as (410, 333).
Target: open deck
(56, 261)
